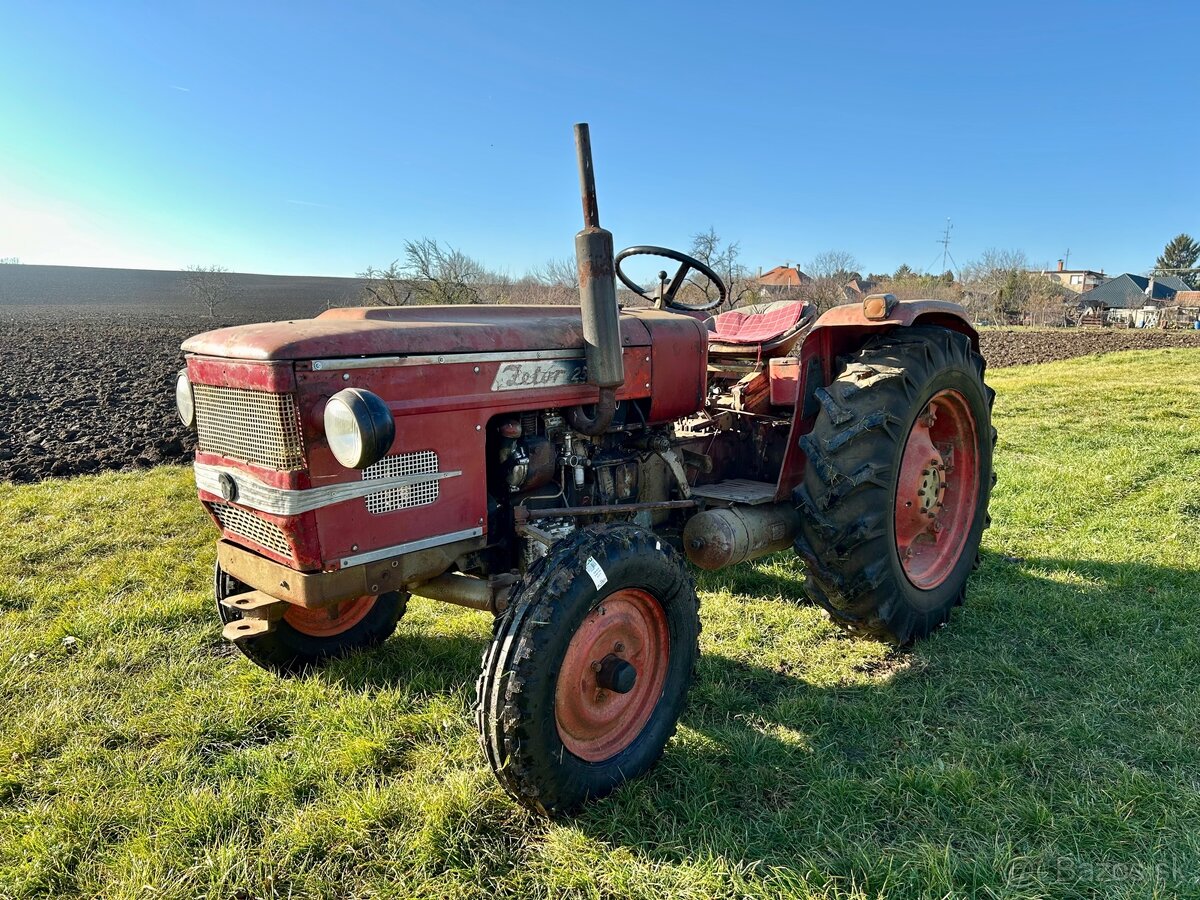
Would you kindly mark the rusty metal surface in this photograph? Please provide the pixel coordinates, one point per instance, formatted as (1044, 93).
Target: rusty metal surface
(717, 538)
(458, 589)
(380, 331)
(587, 176)
(737, 490)
(841, 331)
(445, 408)
(679, 356)
(255, 605)
(244, 629)
(906, 312)
(523, 514)
(322, 588)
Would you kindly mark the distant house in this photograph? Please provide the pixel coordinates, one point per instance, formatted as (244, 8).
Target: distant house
(1078, 280)
(1132, 299)
(781, 280)
(858, 287)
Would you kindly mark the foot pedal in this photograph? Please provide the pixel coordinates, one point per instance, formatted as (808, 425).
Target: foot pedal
(244, 629)
(256, 605)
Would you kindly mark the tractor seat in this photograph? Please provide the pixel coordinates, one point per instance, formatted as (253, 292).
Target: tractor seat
(760, 331)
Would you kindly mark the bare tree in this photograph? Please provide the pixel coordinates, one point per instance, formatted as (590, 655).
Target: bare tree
(561, 276)
(993, 289)
(725, 260)
(442, 274)
(432, 273)
(1048, 302)
(828, 273)
(10, 260)
(209, 287)
(385, 287)
(555, 282)
(1002, 288)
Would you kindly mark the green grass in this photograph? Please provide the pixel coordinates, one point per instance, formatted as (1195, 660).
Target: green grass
(1047, 743)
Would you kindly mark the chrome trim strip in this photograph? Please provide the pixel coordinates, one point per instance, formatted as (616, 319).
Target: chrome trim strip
(371, 362)
(411, 547)
(284, 502)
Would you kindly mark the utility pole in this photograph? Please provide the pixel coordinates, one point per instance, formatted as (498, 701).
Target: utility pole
(945, 242)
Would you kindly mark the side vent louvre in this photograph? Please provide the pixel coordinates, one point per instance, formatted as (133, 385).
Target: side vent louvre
(418, 492)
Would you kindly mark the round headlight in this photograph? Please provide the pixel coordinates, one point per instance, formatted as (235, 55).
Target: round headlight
(358, 427)
(185, 402)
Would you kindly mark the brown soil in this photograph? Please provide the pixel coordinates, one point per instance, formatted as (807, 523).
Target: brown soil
(1021, 346)
(91, 388)
(85, 389)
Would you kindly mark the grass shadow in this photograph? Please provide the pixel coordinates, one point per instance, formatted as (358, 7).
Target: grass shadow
(1049, 721)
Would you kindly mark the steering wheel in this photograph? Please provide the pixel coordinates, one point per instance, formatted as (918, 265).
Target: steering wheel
(667, 294)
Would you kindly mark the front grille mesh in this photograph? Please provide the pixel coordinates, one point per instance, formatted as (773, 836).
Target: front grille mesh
(252, 426)
(403, 496)
(244, 524)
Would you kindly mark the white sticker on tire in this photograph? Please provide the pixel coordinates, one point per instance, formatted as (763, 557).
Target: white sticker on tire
(597, 573)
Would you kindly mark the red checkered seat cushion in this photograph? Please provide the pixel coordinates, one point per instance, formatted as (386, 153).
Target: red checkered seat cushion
(758, 324)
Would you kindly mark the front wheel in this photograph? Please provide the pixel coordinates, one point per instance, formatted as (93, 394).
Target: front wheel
(895, 494)
(589, 667)
(305, 638)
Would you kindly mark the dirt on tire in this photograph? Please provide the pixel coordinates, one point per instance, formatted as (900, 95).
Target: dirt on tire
(90, 388)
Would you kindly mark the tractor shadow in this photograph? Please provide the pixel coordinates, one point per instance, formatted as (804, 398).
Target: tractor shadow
(1054, 670)
(421, 656)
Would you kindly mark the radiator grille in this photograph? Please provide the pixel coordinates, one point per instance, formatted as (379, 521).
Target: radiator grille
(403, 496)
(252, 426)
(249, 526)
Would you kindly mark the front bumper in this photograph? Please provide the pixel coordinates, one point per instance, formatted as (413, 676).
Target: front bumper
(311, 589)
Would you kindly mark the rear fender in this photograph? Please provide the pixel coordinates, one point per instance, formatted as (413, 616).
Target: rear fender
(840, 332)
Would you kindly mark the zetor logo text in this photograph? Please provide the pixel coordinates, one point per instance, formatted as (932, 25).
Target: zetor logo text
(539, 374)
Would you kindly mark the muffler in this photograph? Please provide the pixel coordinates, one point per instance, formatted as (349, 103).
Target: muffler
(597, 300)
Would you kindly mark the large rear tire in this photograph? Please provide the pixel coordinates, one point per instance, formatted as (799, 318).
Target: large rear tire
(895, 494)
(589, 668)
(305, 638)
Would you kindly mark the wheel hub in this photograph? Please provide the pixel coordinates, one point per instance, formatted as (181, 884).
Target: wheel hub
(612, 675)
(935, 496)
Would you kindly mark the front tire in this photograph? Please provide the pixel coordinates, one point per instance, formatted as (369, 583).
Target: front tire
(895, 494)
(589, 667)
(306, 638)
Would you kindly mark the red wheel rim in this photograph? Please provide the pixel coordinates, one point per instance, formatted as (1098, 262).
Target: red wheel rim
(937, 490)
(596, 723)
(327, 621)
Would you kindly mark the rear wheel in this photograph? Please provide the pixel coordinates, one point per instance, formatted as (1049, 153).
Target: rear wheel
(589, 667)
(895, 495)
(304, 638)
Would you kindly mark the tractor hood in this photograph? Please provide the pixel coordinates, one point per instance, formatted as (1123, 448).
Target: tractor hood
(402, 331)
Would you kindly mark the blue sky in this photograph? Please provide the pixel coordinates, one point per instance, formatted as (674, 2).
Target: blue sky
(314, 138)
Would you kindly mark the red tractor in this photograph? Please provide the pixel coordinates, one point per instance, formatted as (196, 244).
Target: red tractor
(555, 466)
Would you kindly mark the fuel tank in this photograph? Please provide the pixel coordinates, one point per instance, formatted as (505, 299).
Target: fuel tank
(717, 538)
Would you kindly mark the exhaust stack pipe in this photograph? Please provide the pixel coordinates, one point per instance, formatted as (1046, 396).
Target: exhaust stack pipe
(597, 300)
